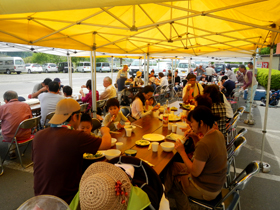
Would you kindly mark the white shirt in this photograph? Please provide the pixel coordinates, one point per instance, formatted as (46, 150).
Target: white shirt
(210, 71)
(163, 81)
(109, 92)
(229, 111)
(137, 109)
(231, 75)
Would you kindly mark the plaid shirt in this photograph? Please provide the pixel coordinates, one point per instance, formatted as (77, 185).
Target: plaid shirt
(220, 110)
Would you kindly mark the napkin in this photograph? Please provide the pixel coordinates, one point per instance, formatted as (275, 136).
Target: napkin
(128, 168)
(174, 137)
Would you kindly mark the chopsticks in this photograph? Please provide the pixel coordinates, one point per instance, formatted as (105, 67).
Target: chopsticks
(137, 125)
(115, 132)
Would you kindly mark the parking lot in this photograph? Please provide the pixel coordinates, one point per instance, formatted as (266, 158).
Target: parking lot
(23, 83)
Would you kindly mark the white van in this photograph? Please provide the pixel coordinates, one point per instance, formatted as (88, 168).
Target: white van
(138, 65)
(12, 64)
(183, 68)
(83, 67)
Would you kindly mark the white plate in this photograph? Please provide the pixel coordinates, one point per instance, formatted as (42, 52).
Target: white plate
(89, 156)
(154, 137)
(174, 118)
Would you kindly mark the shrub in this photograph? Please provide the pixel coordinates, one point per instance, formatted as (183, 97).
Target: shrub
(262, 78)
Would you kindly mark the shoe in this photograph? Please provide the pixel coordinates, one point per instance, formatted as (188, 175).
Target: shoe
(12, 156)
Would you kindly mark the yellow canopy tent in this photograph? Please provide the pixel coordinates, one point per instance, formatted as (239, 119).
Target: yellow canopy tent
(197, 27)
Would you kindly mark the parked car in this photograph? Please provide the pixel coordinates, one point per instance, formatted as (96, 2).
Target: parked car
(12, 64)
(33, 67)
(183, 68)
(50, 67)
(222, 67)
(138, 65)
(163, 67)
(103, 66)
(63, 66)
(84, 67)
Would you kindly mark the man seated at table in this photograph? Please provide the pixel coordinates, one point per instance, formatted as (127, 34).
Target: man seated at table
(210, 72)
(12, 113)
(163, 80)
(49, 100)
(58, 152)
(138, 80)
(67, 91)
(40, 88)
(115, 119)
(110, 90)
(192, 89)
(228, 85)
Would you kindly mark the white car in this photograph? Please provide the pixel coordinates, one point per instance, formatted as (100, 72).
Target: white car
(33, 67)
(183, 68)
(163, 67)
(50, 67)
(84, 67)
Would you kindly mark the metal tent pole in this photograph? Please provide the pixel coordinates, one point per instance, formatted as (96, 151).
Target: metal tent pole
(265, 166)
(173, 79)
(112, 64)
(250, 115)
(140, 66)
(147, 69)
(93, 81)
(70, 72)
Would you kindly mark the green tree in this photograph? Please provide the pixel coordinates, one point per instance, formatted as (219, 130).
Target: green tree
(266, 50)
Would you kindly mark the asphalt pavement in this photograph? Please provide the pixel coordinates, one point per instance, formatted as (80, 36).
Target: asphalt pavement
(23, 83)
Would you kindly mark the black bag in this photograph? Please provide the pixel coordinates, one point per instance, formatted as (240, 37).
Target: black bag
(145, 178)
(125, 100)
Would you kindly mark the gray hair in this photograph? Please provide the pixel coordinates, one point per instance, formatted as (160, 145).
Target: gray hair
(9, 95)
(108, 79)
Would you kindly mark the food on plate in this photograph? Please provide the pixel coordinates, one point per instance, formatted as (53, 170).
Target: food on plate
(174, 108)
(92, 156)
(142, 143)
(130, 152)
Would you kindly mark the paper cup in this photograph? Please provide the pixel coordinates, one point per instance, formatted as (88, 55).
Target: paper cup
(170, 126)
(116, 125)
(155, 146)
(119, 145)
(127, 123)
(128, 132)
(174, 128)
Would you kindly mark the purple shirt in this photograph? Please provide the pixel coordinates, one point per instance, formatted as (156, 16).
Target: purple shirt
(88, 99)
(11, 115)
(249, 76)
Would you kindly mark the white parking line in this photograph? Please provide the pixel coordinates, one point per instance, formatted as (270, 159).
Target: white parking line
(261, 175)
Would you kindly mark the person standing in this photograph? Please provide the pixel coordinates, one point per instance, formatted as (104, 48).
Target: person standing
(199, 71)
(192, 89)
(249, 82)
(49, 100)
(251, 66)
(122, 72)
(58, 152)
(12, 113)
(110, 90)
(230, 74)
(210, 72)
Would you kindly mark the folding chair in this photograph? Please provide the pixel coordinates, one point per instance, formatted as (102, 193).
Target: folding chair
(231, 129)
(240, 110)
(31, 123)
(84, 107)
(48, 118)
(229, 198)
(100, 105)
(125, 111)
(1, 166)
(157, 93)
(233, 152)
(234, 99)
(162, 92)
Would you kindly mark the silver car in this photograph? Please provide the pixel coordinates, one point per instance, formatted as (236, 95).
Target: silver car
(103, 66)
(50, 67)
(33, 67)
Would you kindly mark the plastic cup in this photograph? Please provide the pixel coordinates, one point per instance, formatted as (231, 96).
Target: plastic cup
(119, 145)
(155, 146)
(174, 128)
(170, 126)
(127, 123)
(116, 125)
(172, 112)
(128, 132)
(155, 114)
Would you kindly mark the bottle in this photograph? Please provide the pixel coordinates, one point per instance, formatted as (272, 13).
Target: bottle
(165, 117)
(167, 106)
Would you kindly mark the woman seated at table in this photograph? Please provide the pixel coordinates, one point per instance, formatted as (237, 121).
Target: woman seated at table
(218, 107)
(88, 97)
(204, 177)
(192, 89)
(137, 106)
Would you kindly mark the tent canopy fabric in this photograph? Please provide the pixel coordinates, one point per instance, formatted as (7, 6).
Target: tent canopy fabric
(195, 28)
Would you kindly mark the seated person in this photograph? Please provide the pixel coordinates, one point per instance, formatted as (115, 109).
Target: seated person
(114, 119)
(110, 90)
(177, 78)
(86, 124)
(192, 89)
(230, 74)
(137, 80)
(138, 103)
(210, 72)
(12, 113)
(67, 91)
(149, 104)
(59, 83)
(163, 80)
(169, 77)
(202, 81)
(228, 85)
(205, 176)
(40, 88)
(88, 98)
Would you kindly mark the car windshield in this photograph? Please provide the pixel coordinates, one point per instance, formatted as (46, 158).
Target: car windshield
(135, 63)
(183, 65)
(219, 66)
(19, 62)
(86, 64)
(36, 65)
(52, 65)
(106, 64)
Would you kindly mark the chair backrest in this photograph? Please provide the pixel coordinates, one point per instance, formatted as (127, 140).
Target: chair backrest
(95, 124)
(157, 90)
(84, 107)
(125, 111)
(242, 132)
(237, 142)
(241, 180)
(28, 124)
(48, 118)
(241, 110)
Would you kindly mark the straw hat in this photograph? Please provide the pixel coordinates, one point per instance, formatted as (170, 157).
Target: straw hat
(98, 184)
(138, 73)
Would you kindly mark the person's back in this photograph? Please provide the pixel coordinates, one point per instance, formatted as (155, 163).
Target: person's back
(49, 100)
(220, 110)
(229, 85)
(57, 155)
(121, 83)
(12, 114)
(210, 71)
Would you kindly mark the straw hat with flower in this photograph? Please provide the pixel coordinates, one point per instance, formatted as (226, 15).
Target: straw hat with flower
(104, 186)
